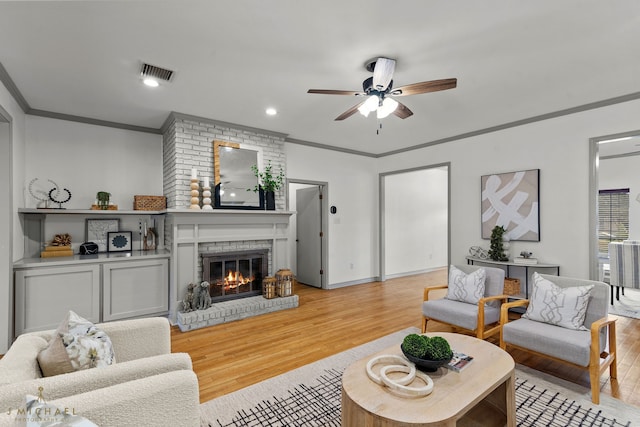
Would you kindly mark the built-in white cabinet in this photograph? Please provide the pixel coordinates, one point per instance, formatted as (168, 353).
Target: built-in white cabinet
(135, 288)
(109, 289)
(102, 287)
(44, 295)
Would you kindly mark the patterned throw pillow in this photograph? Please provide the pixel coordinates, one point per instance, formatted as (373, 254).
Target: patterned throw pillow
(76, 344)
(566, 307)
(467, 288)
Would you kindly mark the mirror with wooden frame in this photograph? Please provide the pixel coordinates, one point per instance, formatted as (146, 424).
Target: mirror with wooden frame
(233, 178)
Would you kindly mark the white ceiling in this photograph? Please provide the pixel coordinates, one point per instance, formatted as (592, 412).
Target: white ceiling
(514, 60)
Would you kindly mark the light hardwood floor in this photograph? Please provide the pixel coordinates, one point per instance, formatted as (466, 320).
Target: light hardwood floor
(234, 355)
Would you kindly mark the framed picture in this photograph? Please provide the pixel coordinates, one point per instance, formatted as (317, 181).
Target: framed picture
(97, 229)
(512, 200)
(118, 241)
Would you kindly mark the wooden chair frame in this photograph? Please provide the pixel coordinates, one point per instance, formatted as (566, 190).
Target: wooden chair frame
(480, 330)
(598, 362)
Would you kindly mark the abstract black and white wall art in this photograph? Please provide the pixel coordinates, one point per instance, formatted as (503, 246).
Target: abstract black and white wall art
(512, 200)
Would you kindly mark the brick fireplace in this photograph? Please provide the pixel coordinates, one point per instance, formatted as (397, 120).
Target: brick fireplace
(188, 143)
(223, 234)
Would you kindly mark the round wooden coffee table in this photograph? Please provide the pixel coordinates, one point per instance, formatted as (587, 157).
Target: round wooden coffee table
(483, 394)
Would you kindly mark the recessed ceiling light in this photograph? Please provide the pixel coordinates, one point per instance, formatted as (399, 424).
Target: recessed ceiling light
(271, 111)
(151, 82)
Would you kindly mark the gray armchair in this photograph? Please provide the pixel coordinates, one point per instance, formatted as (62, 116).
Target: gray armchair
(585, 349)
(482, 319)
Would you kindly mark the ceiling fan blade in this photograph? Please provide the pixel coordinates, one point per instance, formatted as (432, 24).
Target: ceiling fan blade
(424, 87)
(383, 73)
(334, 92)
(402, 111)
(350, 112)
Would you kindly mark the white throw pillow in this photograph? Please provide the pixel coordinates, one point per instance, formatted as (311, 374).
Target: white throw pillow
(467, 288)
(565, 307)
(76, 344)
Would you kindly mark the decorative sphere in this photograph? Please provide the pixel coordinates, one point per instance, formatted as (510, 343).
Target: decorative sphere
(194, 186)
(206, 193)
(206, 201)
(195, 200)
(195, 193)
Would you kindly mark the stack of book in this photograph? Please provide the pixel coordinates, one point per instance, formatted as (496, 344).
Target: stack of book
(459, 361)
(56, 251)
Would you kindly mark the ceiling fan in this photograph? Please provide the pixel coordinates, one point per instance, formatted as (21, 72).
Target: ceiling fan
(379, 89)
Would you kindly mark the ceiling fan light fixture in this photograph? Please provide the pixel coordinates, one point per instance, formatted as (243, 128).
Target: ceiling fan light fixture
(388, 106)
(369, 106)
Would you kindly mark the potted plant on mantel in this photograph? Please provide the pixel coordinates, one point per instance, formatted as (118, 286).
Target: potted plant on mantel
(269, 183)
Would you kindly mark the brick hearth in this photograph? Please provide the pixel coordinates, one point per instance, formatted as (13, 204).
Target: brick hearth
(228, 311)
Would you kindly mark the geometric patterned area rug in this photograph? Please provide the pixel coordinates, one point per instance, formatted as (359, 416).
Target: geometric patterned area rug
(628, 305)
(310, 397)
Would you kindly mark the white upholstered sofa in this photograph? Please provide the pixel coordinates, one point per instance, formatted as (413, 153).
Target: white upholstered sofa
(148, 385)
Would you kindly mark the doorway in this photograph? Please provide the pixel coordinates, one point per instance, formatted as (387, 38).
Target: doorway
(308, 230)
(612, 157)
(414, 220)
(6, 229)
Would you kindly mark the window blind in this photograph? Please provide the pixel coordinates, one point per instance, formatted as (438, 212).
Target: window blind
(613, 217)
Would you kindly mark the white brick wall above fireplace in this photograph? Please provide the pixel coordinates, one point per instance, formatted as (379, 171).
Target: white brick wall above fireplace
(188, 231)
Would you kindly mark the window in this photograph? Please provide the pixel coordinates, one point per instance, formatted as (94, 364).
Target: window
(613, 217)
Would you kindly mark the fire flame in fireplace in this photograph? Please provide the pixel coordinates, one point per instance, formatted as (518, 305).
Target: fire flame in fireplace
(235, 278)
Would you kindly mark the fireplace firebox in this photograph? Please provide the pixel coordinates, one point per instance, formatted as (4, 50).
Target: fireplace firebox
(235, 274)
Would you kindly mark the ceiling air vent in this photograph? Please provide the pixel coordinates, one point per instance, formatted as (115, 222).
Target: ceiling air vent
(156, 72)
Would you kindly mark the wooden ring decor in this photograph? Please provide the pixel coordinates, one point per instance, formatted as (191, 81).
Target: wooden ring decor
(391, 358)
(404, 390)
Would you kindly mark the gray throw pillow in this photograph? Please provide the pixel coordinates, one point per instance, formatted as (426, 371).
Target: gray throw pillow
(467, 288)
(565, 307)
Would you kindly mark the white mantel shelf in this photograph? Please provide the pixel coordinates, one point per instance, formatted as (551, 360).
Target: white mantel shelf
(233, 212)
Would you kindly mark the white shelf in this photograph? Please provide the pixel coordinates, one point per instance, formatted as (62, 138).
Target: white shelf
(87, 212)
(101, 257)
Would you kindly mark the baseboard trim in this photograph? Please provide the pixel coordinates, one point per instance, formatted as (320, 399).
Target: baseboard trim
(352, 282)
(413, 273)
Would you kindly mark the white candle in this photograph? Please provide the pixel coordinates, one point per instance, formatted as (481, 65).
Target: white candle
(194, 173)
(206, 182)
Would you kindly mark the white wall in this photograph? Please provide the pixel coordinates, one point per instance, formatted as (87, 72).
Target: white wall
(415, 221)
(622, 172)
(87, 158)
(126, 163)
(11, 147)
(559, 148)
(353, 188)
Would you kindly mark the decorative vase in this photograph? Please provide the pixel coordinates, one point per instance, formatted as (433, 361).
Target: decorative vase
(206, 198)
(195, 194)
(270, 197)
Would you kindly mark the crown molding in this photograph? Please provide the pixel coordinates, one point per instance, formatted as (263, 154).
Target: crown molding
(591, 106)
(6, 79)
(92, 121)
(330, 147)
(175, 115)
